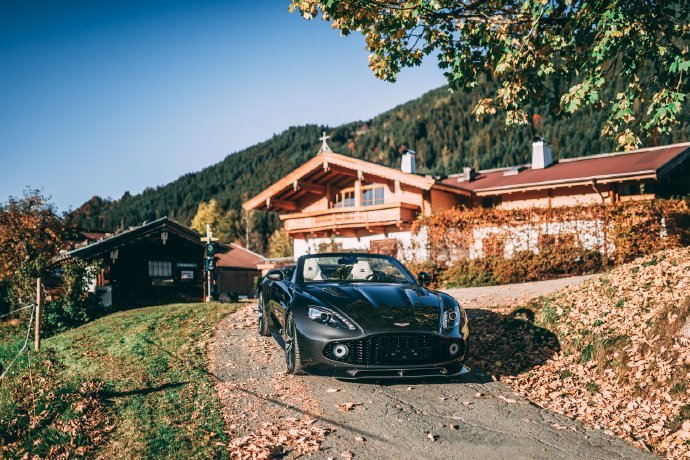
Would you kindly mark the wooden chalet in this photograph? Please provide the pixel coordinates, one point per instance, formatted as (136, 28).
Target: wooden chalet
(346, 202)
(337, 202)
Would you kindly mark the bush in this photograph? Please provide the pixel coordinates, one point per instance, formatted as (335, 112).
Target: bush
(429, 266)
(545, 243)
(74, 305)
(523, 266)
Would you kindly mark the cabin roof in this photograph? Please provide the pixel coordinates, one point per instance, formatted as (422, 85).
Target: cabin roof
(109, 243)
(239, 257)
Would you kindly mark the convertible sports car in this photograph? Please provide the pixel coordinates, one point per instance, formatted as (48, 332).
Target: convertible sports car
(357, 316)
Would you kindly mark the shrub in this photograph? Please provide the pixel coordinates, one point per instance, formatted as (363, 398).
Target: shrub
(545, 243)
(74, 305)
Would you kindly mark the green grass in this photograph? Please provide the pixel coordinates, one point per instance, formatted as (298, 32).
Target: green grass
(132, 385)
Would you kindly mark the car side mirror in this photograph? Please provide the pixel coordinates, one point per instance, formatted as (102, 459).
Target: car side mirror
(424, 278)
(275, 276)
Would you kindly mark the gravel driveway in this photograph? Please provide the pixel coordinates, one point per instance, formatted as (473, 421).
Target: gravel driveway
(511, 294)
(471, 417)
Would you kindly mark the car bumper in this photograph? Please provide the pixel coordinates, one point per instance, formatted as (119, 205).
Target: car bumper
(315, 362)
(347, 372)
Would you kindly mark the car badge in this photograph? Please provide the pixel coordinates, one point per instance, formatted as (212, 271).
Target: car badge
(401, 324)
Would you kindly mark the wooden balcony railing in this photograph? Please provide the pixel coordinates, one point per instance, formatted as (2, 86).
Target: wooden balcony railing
(341, 218)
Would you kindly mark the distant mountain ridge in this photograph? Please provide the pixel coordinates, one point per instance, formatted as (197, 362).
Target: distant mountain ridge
(439, 125)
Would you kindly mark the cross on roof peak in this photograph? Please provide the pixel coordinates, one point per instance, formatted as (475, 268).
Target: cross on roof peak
(324, 145)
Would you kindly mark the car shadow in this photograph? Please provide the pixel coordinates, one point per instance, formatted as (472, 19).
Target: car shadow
(500, 344)
(507, 344)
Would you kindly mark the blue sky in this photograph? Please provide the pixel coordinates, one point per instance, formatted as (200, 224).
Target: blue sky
(99, 97)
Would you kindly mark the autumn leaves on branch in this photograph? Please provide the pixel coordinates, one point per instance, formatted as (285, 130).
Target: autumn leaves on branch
(564, 53)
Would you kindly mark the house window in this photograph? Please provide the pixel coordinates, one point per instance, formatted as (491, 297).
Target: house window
(388, 247)
(345, 199)
(494, 246)
(160, 269)
(372, 194)
(551, 242)
(631, 189)
(491, 201)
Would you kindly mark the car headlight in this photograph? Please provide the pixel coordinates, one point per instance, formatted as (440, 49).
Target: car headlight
(451, 318)
(329, 317)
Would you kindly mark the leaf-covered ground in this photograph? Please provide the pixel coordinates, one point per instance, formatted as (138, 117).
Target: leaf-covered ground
(615, 355)
(132, 384)
(268, 413)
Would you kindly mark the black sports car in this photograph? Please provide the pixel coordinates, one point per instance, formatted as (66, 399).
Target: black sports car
(361, 316)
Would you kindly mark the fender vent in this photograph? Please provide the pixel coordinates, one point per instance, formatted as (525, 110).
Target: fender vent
(335, 292)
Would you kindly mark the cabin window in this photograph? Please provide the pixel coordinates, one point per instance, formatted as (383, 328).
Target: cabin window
(160, 269)
(372, 194)
(345, 199)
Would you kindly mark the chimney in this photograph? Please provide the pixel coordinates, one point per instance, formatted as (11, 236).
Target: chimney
(468, 174)
(409, 164)
(541, 154)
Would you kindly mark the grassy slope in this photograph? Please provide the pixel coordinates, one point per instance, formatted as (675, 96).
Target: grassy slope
(140, 374)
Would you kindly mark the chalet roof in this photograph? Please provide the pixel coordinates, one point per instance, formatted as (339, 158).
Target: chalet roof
(239, 257)
(648, 163)
(133, 233)
(330, 167)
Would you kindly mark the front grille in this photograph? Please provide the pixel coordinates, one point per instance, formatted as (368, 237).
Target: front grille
(394, 349)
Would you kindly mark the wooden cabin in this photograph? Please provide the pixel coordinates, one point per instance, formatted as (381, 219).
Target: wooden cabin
(237, 271)
(159, 262)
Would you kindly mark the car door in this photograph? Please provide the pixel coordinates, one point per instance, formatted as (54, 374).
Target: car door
(282, 295)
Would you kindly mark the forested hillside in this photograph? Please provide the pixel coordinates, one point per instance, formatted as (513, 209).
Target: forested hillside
(438, 125)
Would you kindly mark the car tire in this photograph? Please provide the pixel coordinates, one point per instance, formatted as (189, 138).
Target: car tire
(293, 360)
(262, 320)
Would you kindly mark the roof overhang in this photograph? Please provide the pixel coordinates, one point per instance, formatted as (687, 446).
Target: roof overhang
(101, 247)
(313, 176)
(579, 181)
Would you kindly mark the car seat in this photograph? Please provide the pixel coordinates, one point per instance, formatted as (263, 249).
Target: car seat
(361, 270)
(312, 270)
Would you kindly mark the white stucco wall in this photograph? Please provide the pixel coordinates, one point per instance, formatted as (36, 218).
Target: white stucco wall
(590, 234)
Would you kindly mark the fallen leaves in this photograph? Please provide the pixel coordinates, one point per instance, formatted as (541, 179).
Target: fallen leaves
(610, 352)
(348, 406)
(266, 416)
(302, 437)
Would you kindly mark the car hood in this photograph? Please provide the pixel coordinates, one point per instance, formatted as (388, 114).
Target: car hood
(382, 306)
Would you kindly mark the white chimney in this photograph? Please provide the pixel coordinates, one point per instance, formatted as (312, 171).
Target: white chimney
(409, 163)
(541, 154)
(468, 174)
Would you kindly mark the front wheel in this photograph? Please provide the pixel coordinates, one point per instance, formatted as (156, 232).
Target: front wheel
(293, 361)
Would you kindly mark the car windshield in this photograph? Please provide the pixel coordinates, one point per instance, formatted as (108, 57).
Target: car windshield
(354, 268)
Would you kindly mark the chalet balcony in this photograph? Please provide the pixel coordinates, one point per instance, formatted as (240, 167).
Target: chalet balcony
(382, 215)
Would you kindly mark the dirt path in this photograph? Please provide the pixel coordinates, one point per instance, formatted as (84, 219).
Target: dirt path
(511, 294)
(473, 417)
